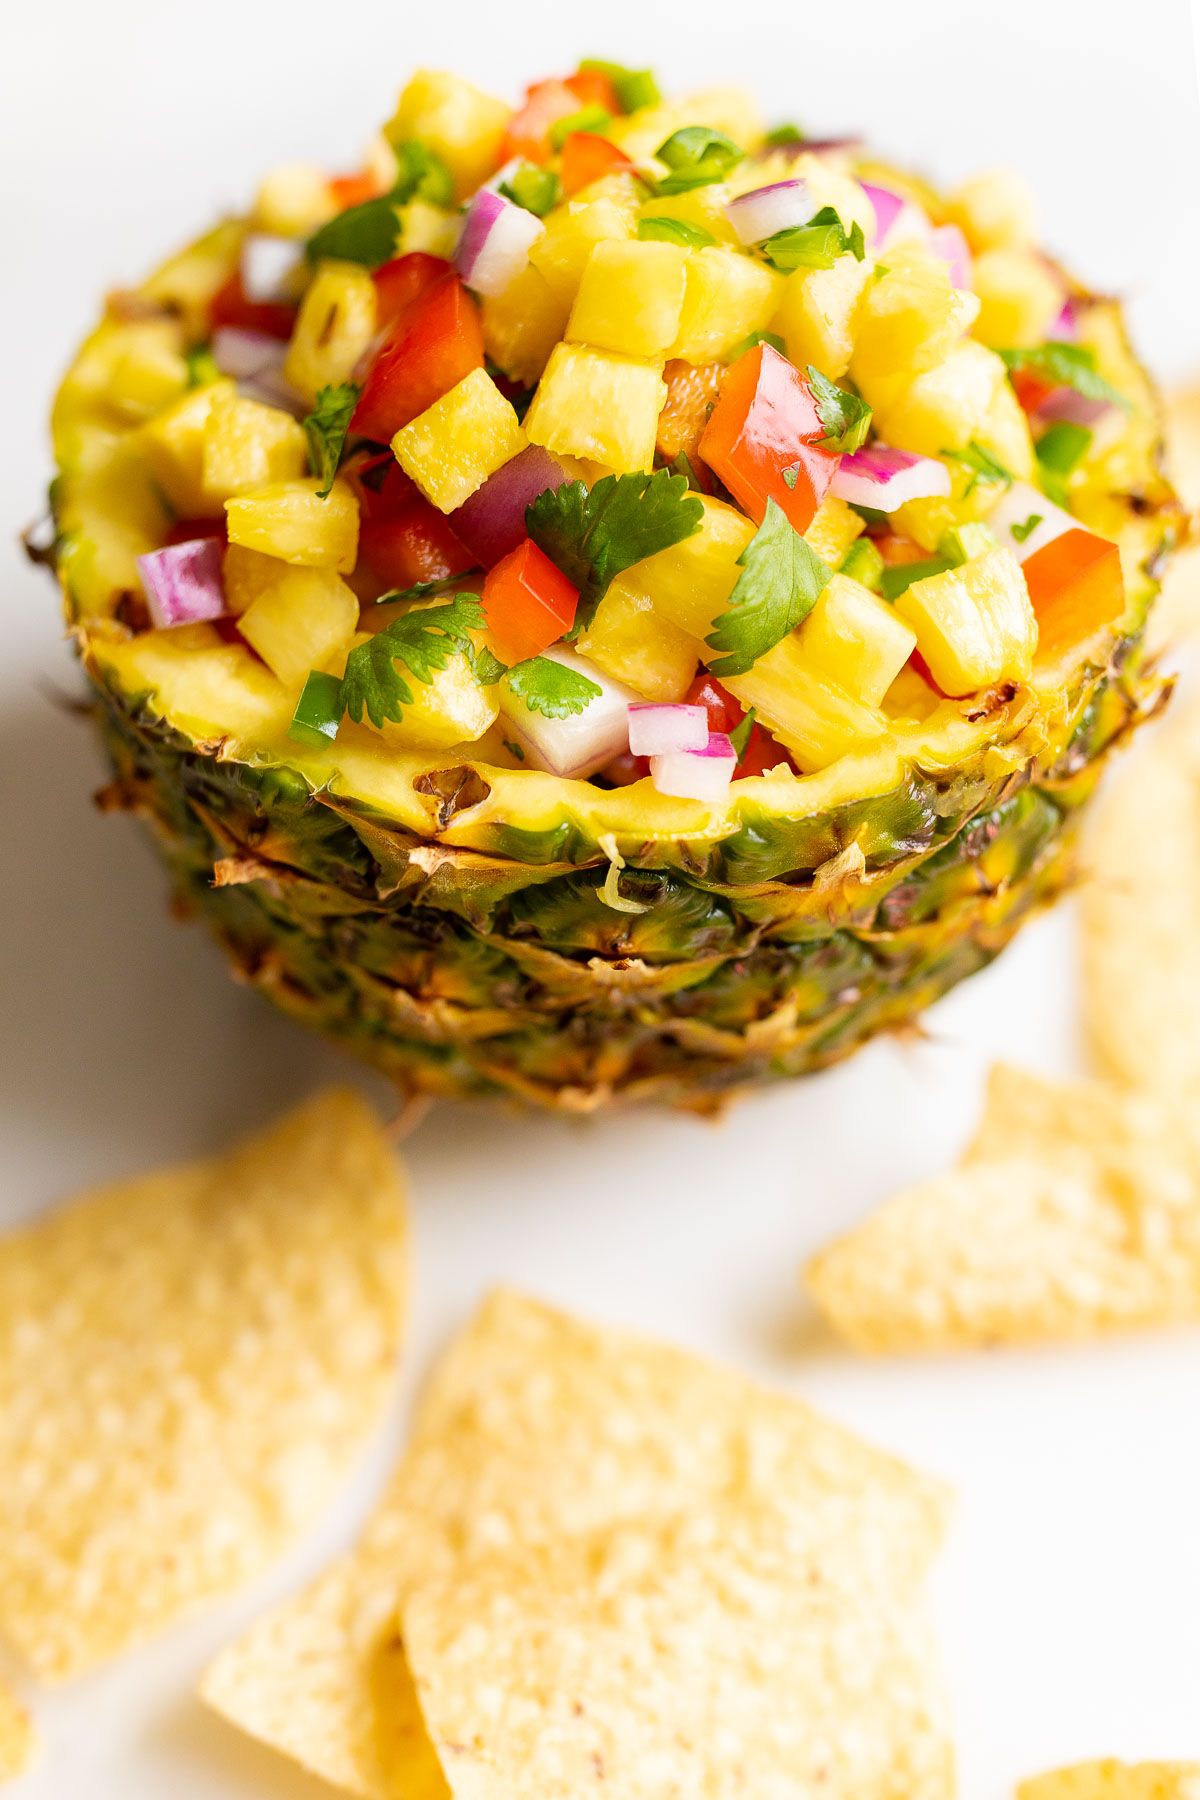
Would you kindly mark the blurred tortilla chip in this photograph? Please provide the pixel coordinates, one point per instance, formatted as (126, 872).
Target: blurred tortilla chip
(1176, 612)
(710, 1653)
(1113, 1780)
(1076, 1211)
(190, 1362)
(538, 1427)
(17, 1739)
(1141, 903)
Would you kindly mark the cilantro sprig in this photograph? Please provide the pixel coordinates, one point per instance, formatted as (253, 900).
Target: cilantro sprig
(695, 157)
(816, 245)
(595, 535)
(326, 427)
(845, 418)
(777, 589)
(551, 688)
(1067, 365)
(419, 644)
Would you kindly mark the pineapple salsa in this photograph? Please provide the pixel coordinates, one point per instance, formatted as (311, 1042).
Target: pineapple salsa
(612, 439)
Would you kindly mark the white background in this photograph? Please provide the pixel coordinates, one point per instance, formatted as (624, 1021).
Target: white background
(1070, 1592)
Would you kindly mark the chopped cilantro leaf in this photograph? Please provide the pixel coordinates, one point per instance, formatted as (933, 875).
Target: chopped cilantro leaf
(487, 667)
(634, 87)
(513, 749)
(983, 465)
(421, 175)
(816, 245)
(420, 590)
(753, 341)
(1026, 527)
(588, 118)
(739, 737)
(535, 189)
(201, 366)
(683, 465)
(845, 418)
(1068, 365)
(326, 427)
(551, 688)
(675, 231)
(423, 642)
(900, 577)
(1063, 446)
(696, 157)
(594, 536)
(780, 580)
(784, 134)
(365, 234)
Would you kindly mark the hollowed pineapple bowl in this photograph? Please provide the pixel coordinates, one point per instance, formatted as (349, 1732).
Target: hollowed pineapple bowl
(610, 602)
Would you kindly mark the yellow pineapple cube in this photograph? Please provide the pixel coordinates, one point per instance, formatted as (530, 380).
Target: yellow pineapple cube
(975, 625)
(606, 210)
(148, 372)
(594, 404)
(451, 709)
(630, 298)
(247, 574)
(336, 323)
(305, 619)
(294, 201)
(454, 445)
(634, 644)
(814, 717)
(456, 120)
(522, 324)
(856, 639)
(245, 444)
(1019, 298)
(290, 520)
(733, 110)
(833, 530)
(690, 583)
(909, 316)
(992, 209)
(965, 397)
(703, 207)
(727, 296)
(817, 313)
(427, 227)
(174, 446)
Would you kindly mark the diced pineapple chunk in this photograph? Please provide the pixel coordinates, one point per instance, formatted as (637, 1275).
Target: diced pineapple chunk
(305, 619)
(1018, 297)
(148, 371)
(815, 718)
(293, 201)
(460, 123)
(733, 110)
(522, 324)
(450, 709)
(703, 206)
(630, 298)
(817, 313)
(335, 325)
(451, 448)
(727, 297)
(174, 446)
(833, 530)
(856, 639)
(246, 444)
(995, 208)
(606, 210)
(690, 583)
(594, 404)
(427, 227)
(909, 316)
(247, 574)
(974, 624)
(965, 397)
(290, 520)
(634, 644)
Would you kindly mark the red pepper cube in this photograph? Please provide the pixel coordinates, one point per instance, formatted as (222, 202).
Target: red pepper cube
(399, 282)
(766, 426)
(586, 157)
(592, 87)
(229, 306)
(1075, 585)
(437, 342)
(528, 134)
(414, 544)
(528, 603)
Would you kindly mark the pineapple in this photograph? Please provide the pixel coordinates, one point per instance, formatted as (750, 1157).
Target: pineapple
(294, 200)
(448, 912)
(336, 323)
(1019, 298)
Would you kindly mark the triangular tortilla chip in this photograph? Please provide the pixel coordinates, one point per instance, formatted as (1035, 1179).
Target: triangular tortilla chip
(17, 1739)
(538, 1426)
(1116, 1781)
(1077, 1210)
(190, 1363)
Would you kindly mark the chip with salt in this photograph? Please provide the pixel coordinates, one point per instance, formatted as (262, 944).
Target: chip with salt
(17, 1740)
(1141, 901)
(190, 1361)
(539, 1428)
(1076, 1210)
(1113, 1780)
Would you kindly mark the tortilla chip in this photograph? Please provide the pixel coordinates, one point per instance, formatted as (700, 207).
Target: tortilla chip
(1076, 1210)
(711, 1653)
(1176, 613)
(1141, 948)
(17, 1740)
(539, 1427)
(1116, 1781)
(190, 1363)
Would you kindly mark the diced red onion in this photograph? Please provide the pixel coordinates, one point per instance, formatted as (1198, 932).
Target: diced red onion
(492, 521)
(246, 354)
(884, 478)
(661, 729)
(763, 211)
(1072, 408)
(1065, 329)
(184, 583)
(1018, 506)
(495, 241)
(948, 242)
(581, 744)
(266, 264)
(696, 774)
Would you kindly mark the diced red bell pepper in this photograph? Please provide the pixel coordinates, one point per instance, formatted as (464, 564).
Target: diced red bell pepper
(183, 531)
(726, 714)
(399, 282)
(352, 190)
(380, 484)
(528, 602)
(592, 87)
(414, 544)
(586, 157)
(1076, 586)
(437, 342)
(1031, 390)
(764, 426)
(231, 307)
(528, 134)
